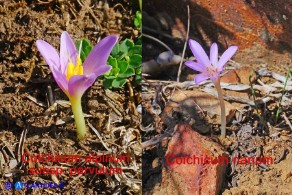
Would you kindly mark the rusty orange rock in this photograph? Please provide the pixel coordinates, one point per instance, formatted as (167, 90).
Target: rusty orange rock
(245, 23)
(194, 164)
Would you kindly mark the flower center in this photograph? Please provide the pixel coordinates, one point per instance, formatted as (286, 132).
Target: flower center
(212, 70)
(73, 70)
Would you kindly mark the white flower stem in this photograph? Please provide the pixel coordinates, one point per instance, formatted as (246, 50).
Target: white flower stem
(78, 116)
(222, 105)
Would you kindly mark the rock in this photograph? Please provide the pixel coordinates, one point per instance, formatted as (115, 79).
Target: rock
(185, 146)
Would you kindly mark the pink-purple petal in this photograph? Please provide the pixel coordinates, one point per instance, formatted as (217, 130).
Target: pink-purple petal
(99, 70)
(226, 56)
(49, 53)
(68, 51)
(78, 84)
(214, 54)
(195, 66)
(199, 52)
(200, 78)
(99, 54)
(61, 80)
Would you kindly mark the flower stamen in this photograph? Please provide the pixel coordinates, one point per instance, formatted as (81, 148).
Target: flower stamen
(74, 70)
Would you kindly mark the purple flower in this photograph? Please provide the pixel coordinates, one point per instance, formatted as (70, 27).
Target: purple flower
(73, 77)
(209, 68)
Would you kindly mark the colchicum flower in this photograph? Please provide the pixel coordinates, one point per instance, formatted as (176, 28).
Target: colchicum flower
(73, 77)
(211, 68)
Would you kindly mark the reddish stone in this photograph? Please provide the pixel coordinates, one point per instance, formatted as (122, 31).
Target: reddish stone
(245, 23)
(197, 177)
(238, 22)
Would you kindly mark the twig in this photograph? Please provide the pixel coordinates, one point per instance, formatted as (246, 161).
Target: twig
(252, 91)
(185, 46)
(283, 92)
(131, 102)
(158, 32)
(158, 41)
(50, 96)
(156, 140)
(99, 136)
(287, 120)
(20, 145)
(113, 107)
(40, 103)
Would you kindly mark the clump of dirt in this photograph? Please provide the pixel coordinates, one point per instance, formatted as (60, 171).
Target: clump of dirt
(35, 115)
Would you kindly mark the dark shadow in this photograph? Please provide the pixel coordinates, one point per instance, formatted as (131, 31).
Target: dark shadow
(276, 13)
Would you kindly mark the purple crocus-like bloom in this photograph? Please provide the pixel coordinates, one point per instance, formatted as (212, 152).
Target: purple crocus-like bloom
(73, 77)
(209, 68)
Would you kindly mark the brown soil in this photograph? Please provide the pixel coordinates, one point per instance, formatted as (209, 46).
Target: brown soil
(27, 89)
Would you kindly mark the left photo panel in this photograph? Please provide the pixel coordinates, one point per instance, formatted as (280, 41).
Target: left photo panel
(70, 97)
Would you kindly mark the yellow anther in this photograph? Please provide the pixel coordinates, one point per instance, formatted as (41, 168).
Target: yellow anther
(70, 70)
(74, 70)
(79, 62)
(79, 70)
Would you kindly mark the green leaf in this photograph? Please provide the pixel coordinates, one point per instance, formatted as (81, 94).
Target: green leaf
(107, 83)
(110, 77)
(126, 61)
(138, 79)
(125, 45)
(138, 71)
(136, 49)
(129, 72)
(138, 19)
(112, 61)
(123, 66)
(135, 61)
(84, 48)
(118, 82)
(116, 50)
(139, 41)
(115, 72)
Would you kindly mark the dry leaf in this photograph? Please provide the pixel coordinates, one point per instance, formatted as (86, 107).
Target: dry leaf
(240, 75)
(191, 104)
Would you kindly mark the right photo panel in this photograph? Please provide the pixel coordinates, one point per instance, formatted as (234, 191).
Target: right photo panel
(217, 103)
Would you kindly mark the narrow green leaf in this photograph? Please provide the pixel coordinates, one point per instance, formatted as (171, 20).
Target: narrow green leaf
(84, 48)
